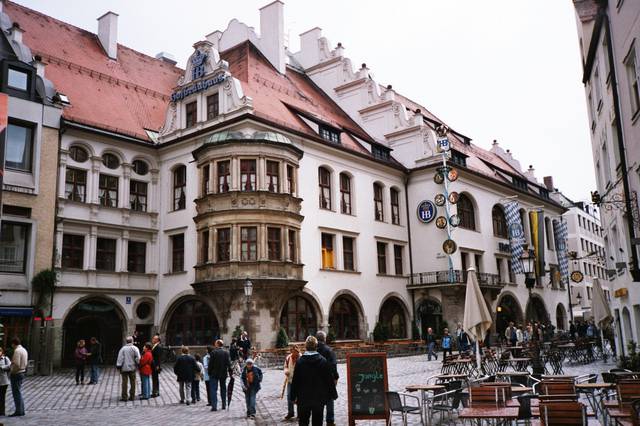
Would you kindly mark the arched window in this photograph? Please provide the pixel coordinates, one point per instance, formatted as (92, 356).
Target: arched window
(392, 316)
(466, 213)
(561, 317)
(377, 202)
(395, 206)
(110, 161)
(179, 187)
(192, 323)
(299, 319)
(345, 193)
(343, 319)
(324, 182)
(78, 154)
(499, 222)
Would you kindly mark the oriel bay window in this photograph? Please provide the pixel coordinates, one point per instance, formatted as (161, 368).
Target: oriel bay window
(224, 244)
(395, 206)
(204, 247)
(247, 175)
(138, 195)
(206, 176)
(108, 191)
(75, 187)
(106, 254)
(382, 257)
(327, 251)
(347, 254)
(179, 188)
(345, 193)
(72, 251)
(324, 182)
(273, 244)
(19, 147)
(293, 256)
(13, 247)
(177, 253)
(273, 176)
(377, 202)
(224, 176)
(136, 256)
(248, 243)
(291, 179)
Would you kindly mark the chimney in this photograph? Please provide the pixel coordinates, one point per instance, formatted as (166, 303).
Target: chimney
(167, 57)
(108, 33)
(16, 33)
(39, 65)
(548, 182)
(531, 173)
(272, 34)
(309, 54)
(214, 38)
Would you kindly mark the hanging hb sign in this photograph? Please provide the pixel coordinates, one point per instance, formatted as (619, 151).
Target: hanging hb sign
(443, 144)
(426, 211)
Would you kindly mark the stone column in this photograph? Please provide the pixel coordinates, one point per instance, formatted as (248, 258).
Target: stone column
(62, 171)
(93, 180)
(124, 187)
(153, 201)
(90, 246)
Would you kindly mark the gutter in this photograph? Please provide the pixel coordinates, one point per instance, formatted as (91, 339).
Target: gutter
(406, 204)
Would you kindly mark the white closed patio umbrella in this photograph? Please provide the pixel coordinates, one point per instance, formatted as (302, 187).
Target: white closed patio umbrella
(600, 309)
(477, 319)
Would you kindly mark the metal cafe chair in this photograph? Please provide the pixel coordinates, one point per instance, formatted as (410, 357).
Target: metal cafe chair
(397, 403)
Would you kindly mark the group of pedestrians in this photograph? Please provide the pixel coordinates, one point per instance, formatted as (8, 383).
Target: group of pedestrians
(460, 339)
(12, 372)
(92, 356)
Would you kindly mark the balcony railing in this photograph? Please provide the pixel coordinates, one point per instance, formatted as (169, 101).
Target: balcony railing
(441, 278)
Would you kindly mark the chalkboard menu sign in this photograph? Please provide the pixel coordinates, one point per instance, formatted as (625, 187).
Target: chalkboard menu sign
(366, 385)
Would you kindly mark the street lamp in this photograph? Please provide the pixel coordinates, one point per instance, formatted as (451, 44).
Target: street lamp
(248, 291)
(579, 299)
(528, 260)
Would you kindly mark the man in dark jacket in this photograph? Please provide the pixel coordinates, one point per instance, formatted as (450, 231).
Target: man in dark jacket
(156, 352)
(245, 345)
(313, 384)
(330, 356)
(185, 370)
(95, 358)
(219, 364)
(431, 344)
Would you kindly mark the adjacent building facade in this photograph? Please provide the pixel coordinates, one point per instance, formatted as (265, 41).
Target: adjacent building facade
(294, 171)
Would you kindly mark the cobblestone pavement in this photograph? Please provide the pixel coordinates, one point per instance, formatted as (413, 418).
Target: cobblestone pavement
(56, 400)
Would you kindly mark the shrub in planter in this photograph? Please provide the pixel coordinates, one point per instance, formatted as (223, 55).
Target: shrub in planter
(282, 341)
(331, 336)
(415, 331)
(380, 333)
(237, 332)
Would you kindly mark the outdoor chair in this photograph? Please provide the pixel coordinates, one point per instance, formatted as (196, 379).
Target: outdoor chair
(487, 396)
(397, 403)
(562, 413)
(447, 401)
(628, 391)
(524, 407)
(555, 387)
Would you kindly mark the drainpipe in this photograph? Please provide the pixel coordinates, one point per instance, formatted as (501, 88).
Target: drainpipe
(413, 295)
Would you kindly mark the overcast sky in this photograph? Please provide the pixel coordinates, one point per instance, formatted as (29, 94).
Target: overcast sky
(501, 69)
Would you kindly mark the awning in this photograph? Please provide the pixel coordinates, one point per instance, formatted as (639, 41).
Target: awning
(6, 311)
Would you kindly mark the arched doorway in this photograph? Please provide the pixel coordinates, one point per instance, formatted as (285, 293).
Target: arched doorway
(626, 324)
(430, 314)
(561, 317)
(97, 318)
(392, 315)
(536, 310)
(344, 319)
(508, 310)
(299, 319)
(192, 323)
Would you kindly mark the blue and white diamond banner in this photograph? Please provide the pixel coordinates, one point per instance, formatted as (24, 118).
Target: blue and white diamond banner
(561, 234)
(516, 235)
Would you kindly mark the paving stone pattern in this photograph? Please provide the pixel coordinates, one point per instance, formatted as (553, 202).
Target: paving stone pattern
(56, 400)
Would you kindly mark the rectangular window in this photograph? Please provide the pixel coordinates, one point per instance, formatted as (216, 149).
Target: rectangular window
(224, 244)
(499, 263)
(108, 191)
(14, 239)
(329, 134)
(382, 258)
(177, 253)
(138, 195)
(213, 106)
(458, 158)
(478, 260)
(395, 206)
(204, 246)
(17, 79)
(345, 193)
(72, 251)
(179, 188)
(75, 186)
(106, 254)
(632, 76)
(377, 202)
(191, 110)
(597, 88)
(291, 180)
(397, 258)
(274, 242)
(347, 254)
(292, 246)
(19, 147)
(273, 176)
(324, 183)
(224, 176)
(512, 275)
(206, 176)
(247, 175)
(327, 251)
(137, 256)
(380, 153)
(249, 243)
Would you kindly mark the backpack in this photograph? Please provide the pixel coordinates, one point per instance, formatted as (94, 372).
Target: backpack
(446, 342)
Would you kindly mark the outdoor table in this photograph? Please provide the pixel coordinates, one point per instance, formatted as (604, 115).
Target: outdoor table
(589, 389)
(521, 389)
(513, 373)
(423, 395)
(557, 376)
(489, 413)
(519, 364)
(451, 376)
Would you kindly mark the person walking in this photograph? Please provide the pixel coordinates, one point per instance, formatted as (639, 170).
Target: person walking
(447, 344)
(510, 334)
(146, 368)
(313, 384)
(462, 339)
(330, 356)
(127, 364)
(17, 371)
(5, 366)
(234, 350)
(519, 336)
(195, 386)
(95, 359)
(251, 379)
(156, 368)
(205, 372)
(431, 344)
(289, 369)
(219, 365)
(185, 369)
(244, 345)
(80, 355)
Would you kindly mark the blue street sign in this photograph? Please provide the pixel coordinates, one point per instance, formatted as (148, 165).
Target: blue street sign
(128, 300)
(427, 211)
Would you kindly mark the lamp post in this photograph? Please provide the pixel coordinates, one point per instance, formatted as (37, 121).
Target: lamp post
(248, 292)
(528, 259)
(579, 300)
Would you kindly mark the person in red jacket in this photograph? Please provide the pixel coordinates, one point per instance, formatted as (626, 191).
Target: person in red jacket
(146, 362)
